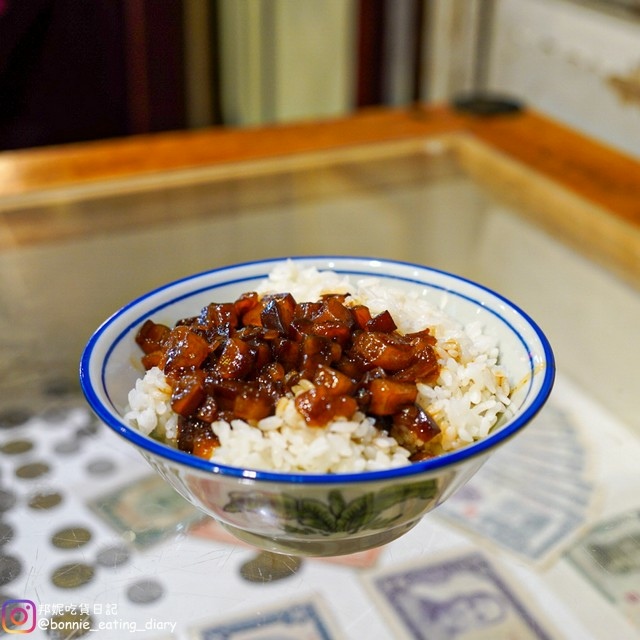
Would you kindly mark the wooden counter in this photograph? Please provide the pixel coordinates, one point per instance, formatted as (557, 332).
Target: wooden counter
(581, 191)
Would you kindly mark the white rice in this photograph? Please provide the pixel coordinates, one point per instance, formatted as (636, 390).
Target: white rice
(469, 396)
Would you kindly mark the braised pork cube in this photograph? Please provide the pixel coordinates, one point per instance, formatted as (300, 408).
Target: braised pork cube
(220, 318)
(390, 396)
(253, 403)
(336, 382)
(236, 360)
(413, 428)
(390, 351)
(278, 312)
(318, 407)
(196, 437)
(187, 392)
(151, 336)
(382, 322)
(183, 349)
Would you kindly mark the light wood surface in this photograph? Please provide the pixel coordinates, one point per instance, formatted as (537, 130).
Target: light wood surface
(24, 172)
(582, 191)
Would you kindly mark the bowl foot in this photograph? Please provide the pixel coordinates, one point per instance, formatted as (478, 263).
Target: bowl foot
(321, 547)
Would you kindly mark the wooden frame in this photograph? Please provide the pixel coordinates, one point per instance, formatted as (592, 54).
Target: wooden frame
(579, 190)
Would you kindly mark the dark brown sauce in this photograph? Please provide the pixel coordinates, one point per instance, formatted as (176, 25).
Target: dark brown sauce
(237, 359)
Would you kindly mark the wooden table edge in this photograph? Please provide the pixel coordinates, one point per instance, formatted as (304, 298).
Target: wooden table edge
(604, 179)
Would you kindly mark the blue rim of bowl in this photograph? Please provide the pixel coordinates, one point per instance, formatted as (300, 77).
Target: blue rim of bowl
(156, 448)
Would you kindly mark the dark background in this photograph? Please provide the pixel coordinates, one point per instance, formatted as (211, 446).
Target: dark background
(77, 70)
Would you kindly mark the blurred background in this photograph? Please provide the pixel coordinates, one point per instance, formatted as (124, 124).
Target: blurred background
(73, 71)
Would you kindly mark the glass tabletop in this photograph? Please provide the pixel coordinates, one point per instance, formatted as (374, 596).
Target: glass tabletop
(71, 261)
(80, 535)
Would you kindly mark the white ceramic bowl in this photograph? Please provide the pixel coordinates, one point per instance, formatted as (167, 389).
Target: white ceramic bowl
(317, 514)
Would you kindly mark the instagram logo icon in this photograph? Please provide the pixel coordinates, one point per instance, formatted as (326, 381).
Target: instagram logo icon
(18, 616)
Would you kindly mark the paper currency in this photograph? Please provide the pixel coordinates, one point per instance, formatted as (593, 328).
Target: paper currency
(608, 556)
(463, 595)
(534, 497)
(146, 511)
(309, 618)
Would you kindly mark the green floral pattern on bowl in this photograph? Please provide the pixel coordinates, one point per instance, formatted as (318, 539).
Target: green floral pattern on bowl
(369, 511)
